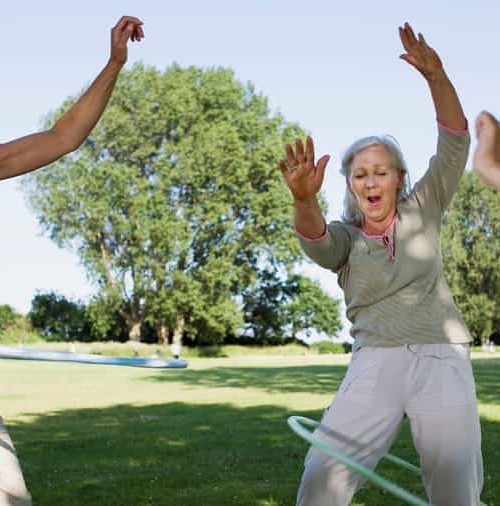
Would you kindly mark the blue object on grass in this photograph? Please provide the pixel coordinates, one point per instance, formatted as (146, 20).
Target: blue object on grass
(12, 352)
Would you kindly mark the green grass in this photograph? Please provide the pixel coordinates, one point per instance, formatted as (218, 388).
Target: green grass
(214, 434)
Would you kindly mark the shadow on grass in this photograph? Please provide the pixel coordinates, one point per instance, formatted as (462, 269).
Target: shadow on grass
(179, 454)
(322, 379)
(173, 454)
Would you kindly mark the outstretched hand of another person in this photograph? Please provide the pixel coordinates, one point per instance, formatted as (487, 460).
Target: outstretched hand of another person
(127, 28)
(303, 176)
(419, 54)
(37, 150)
(486, 161)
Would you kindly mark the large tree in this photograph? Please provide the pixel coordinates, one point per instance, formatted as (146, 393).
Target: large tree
(471, 249)
(174, 204)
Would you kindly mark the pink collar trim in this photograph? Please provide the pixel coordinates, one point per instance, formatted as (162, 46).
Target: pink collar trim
(387, 238)
(386, 232)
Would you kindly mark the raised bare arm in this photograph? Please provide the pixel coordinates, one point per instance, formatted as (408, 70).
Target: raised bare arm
(37, 150)
(304, 179)
(426, 60)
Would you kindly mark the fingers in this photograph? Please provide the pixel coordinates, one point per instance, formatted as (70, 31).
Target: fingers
(290, 156)
(487, 154)
(299, 149)
(124, 20)
(409, 40)
(298, 157)
(486, 160)
(320, 168)
(407, 36)
(128, 27)
(486, 126)
(488, 118)
(309, 150)
(301, 159)
(138, 33)
(411, 33)
(404, 38)
(422, 41)
(124, 35)
(283, 168)
(480, 120)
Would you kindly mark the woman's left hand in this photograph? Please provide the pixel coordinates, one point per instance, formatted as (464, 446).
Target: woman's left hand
(419, 54)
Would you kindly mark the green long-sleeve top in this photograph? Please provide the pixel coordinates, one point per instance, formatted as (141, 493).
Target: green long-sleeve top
(404, 299)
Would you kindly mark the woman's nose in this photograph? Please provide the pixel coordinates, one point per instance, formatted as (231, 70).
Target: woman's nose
(371, 181)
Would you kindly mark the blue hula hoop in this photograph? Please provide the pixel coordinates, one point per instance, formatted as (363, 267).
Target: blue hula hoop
(10, 352)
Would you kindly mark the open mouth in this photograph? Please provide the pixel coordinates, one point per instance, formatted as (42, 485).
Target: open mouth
(373, 200)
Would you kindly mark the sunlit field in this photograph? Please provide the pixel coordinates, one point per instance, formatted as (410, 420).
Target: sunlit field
(213, 434)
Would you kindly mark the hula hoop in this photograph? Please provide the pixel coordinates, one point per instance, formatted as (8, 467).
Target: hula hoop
(296, 423)
(82, 358)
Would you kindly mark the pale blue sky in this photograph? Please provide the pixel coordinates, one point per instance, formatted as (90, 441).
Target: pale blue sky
(332, 66)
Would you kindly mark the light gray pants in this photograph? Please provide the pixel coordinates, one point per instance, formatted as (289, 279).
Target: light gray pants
(432, 384)
(13, 490)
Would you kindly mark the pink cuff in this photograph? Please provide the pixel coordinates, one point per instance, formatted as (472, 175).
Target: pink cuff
(309, 239)
(455, 131)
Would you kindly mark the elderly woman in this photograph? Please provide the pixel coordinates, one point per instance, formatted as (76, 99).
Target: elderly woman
(487, 155)
(36, 150)
(411, 346)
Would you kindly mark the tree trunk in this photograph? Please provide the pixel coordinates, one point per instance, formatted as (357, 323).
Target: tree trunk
(179, 329)
(162, 334)
(134, 333)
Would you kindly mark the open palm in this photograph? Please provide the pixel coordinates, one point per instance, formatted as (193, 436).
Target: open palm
(419, 54)
(302, 175)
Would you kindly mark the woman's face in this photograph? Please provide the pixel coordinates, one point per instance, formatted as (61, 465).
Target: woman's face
(375, 182)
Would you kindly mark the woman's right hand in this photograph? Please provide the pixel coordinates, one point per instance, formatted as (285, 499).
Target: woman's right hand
(302, 175)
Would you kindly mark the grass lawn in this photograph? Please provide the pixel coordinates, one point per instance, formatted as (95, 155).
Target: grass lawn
(214, 434)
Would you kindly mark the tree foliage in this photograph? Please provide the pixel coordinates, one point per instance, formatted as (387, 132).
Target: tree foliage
(174, 204)
(278, 309)
(8, 316)
(312, 308)
(59, 319)
(471, 250)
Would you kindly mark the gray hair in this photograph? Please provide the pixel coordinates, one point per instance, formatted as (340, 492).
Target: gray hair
(352, 213)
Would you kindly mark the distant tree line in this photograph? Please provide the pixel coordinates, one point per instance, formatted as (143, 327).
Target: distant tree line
(57, 318)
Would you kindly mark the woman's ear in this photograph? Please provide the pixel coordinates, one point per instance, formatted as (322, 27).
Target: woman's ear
(401, 180)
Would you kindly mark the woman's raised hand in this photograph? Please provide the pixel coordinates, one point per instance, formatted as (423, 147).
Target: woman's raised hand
(419, 54)
(303, 176)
